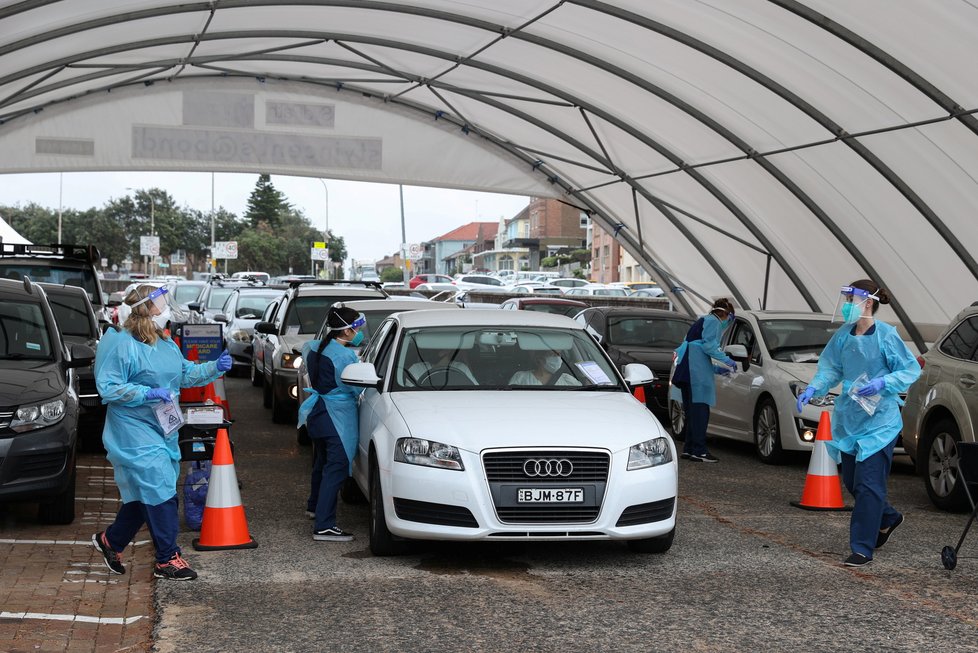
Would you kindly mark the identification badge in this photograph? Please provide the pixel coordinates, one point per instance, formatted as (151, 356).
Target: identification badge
(169, 416)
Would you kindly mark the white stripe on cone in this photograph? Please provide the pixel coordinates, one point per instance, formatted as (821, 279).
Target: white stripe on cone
(222, 489)
(821, 463)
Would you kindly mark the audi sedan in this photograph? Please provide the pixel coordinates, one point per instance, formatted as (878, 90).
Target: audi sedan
(493, 425)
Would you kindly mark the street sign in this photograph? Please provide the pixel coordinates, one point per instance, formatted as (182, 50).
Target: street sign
(178, 257)
(319, 245)
(415, 251)
(318, 254)
(225, 249)
(149, 245)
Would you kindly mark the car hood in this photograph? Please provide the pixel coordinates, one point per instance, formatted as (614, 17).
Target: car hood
(295, 342)
(474, 420)
(655, 357)
(27, 382)
(800, 371)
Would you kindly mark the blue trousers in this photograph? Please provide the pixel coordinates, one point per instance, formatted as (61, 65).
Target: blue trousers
(697, 419)
(163, 522)
(866, 481)
(330, 469)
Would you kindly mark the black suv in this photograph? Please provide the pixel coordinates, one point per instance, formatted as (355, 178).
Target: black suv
(78, 325)
(69, 265)
(38, 403)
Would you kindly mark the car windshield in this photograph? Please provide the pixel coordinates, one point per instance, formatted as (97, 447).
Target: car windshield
(665, 333)
(72, 315)
(215, 301)
(796, 341)
(501, 358)
(558, 309)
(306, 314)
(23, 333)
(184, 293)
(61, 276)
(252, 305)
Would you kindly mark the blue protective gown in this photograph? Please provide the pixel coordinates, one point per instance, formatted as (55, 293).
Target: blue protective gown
(697, 354)
(878, 352)
(331, 408)
(146, 463)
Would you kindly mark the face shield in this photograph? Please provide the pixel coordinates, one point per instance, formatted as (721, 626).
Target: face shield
(157, 298)
(851, 303)
(357, 323)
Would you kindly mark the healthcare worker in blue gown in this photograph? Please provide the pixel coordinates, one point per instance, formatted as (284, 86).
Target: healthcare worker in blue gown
(694, 376)
(137, 369)
(331, 418)
(865, 426)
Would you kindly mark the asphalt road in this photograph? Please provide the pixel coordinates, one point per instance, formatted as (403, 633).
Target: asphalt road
(747, 572)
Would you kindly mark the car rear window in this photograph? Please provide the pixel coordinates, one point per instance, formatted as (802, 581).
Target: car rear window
(62, 276)
(23, 332)
(306, 314)
(557, 309)
(646, 332)
(961, 342)
(72, 315)
(215, 301)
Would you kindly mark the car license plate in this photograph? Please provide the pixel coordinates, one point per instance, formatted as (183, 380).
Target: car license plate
(550, 495)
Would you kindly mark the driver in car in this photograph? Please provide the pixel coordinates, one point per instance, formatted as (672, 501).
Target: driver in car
(546, 365)
(434, 359)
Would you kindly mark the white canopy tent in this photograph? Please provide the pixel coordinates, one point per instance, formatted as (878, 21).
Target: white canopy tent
(9, 235)
(770, 150)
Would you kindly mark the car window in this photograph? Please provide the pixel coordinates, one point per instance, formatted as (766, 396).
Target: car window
(499, 358)
(640, 331)
(269, 312)
(796, 341)
(556, 309)
(252, 306)
(743, 334)
(961, 342)
(62, 276)
(23, 331)
(369, 353)
(72, 315)
(384, 351)
(306, 314)
(217, 297)
(186, 293)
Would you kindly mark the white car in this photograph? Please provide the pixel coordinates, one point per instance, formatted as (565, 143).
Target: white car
(486, 453)
(759, 405)
(596, 290)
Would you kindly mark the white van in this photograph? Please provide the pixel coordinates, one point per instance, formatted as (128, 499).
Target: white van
(263, 277)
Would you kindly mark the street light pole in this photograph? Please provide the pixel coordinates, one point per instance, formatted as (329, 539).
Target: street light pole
(61, 179)
(152, 228)
(326, 265)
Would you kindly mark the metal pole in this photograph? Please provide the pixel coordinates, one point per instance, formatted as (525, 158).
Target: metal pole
(152, 229)
(403, 238)
(210, 267)
(61, 178)
(326, 265)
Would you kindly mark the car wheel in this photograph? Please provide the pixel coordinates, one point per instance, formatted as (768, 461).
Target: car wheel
(677, 419)
(382, 542)
(266, 394)
(60, 509)
(280, 414)
(351, 494)
(941, 476)
(767, 433)
(659, 544)
(256, 377)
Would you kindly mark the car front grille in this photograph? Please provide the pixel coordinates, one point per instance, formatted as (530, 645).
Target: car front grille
(434, 513)
(646, 513)
(510, 471)
(41, 464)
(6, 417)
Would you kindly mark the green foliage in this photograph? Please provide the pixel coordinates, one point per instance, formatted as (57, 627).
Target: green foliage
(549, 262)
(392, 274)
(266, 204)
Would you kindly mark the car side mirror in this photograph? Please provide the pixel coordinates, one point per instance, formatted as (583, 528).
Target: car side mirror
(81, 356)
(196, 307)
(267, 328)
(637, 374)
(362, 375)
(114, 302)
(739, 354)
(221, 317)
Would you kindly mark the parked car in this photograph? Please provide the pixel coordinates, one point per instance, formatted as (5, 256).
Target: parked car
(640, 335)
(558, 305)
(498, 459)
(279, 337)
(215, 293)
(374, 311)
(185, 292)
(648, 292)
(595, 290)
(39, 395)
(71, 265)
(419, 279)
(477, 282)
(758, 404)
(942, 409)
(241, 312)
(77, 324)
(568, 282)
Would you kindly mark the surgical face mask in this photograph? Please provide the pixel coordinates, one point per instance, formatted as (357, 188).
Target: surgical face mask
(161, 319)
(851, 312)
(551, 363)
(357, 339)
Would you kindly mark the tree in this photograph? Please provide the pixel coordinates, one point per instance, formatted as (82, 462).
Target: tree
(392, 274)
(266, 204)
(34, 222)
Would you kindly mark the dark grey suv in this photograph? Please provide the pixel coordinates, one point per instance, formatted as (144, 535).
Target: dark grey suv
(38, 403)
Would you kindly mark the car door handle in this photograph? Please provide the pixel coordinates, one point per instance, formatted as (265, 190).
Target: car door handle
(966, 381)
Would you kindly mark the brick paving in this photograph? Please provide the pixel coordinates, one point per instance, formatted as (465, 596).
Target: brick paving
(65, 576)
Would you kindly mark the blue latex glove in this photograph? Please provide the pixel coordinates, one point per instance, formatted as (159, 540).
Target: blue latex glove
(731, 363)
(805, 397)
(159, 394)
(874, 387)
(224, 363)
(722, 371)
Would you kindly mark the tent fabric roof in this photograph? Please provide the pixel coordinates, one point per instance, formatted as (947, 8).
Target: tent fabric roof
(769, 150)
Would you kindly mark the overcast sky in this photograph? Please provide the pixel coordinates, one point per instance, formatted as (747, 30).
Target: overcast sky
(367, 215)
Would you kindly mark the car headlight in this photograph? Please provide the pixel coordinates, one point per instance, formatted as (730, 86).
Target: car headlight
(38, 416)
(650, 453)
(240, 335)
(427, 453)
(290, 360)
(827, 400)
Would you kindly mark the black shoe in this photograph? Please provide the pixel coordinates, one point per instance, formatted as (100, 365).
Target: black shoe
(112, 559)
(704, 458)
(176, 568)
(857, 560)
(884, 534)
(334, 534)
(684, 456)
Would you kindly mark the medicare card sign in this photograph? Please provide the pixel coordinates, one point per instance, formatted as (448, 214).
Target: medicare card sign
(207, 338)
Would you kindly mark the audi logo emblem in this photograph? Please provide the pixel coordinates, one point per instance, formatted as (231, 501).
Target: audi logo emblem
(548, 467)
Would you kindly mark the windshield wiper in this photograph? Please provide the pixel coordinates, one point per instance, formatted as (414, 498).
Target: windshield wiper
(597, 386)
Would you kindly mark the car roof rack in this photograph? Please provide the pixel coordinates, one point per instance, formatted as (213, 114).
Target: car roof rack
(338, 282)
(87, 253)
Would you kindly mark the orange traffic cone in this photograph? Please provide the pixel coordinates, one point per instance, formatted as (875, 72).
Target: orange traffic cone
(223, 525)
(823, 490)
(640, 393)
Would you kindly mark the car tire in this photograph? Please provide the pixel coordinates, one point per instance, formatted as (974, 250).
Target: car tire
(382, 542)
(351, 494)
(940, 466)
(659, 544)
(280, 414)
(767, 432)
(256, 378)
(266, 394)
(677, 419)
(61, 508)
